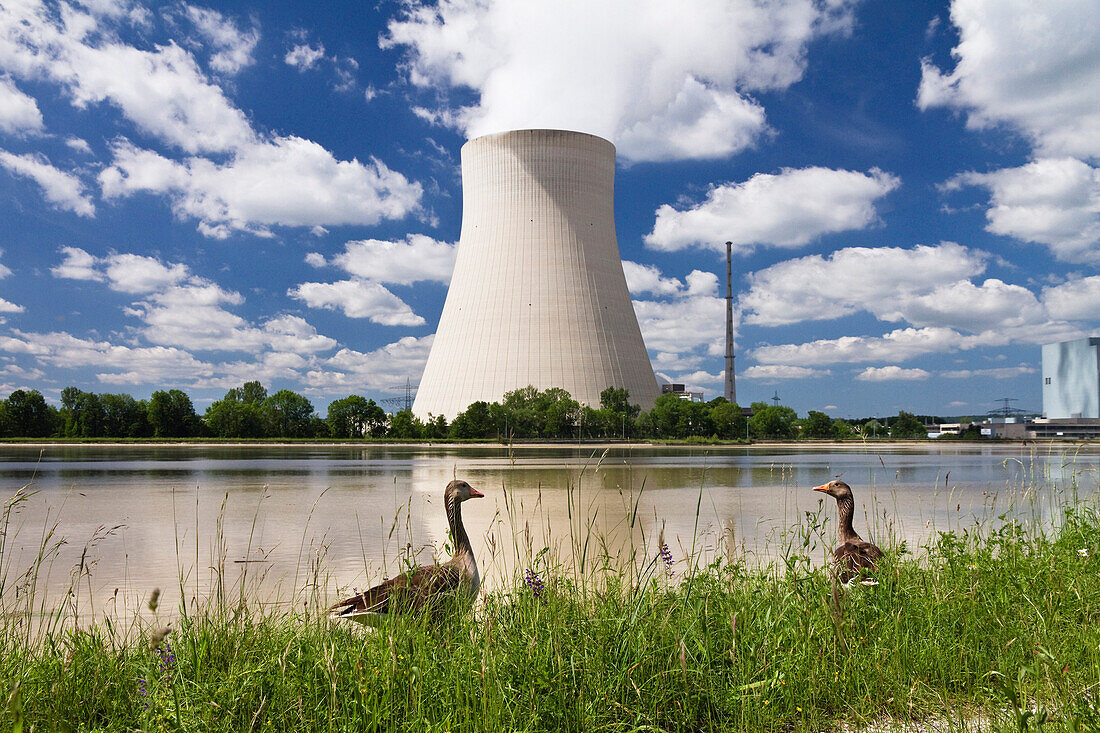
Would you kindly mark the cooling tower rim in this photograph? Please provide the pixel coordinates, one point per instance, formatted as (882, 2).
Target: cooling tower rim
(537, 131)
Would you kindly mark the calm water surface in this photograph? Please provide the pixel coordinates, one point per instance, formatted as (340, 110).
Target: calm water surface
(143, 517)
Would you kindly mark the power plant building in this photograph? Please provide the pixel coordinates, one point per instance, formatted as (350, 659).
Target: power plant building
(538, 296)
(1071, 379)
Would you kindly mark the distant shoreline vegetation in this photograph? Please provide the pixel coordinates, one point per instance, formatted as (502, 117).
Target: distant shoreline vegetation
(249, 413)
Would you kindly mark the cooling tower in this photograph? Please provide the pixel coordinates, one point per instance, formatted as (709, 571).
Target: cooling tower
(538, 295)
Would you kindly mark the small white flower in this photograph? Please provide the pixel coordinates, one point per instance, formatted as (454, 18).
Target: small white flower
(1083, 552)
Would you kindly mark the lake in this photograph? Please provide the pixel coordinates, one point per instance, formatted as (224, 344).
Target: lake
(283, 521)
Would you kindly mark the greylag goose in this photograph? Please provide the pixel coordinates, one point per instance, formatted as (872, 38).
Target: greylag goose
(853, 556)
(428, 587)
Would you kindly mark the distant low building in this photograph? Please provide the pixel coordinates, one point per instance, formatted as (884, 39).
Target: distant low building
(1071, 379)
(682, 392)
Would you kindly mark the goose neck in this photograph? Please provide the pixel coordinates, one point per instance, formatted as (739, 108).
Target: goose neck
(458, 532)
(846, 508)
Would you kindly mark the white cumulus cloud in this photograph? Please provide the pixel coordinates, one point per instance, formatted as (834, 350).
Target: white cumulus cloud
(897, 345)
(382, 369)
(161, 91)
(648, 279)
(19, 113)
(304, 56)
(995, 373)
(782, 371)
(417, 259)
(965, 306)
(849, 280)
(237, 178)
(78, 265)
(1052, 201)
(1032, 65)
(232, 46)
(63, 190)
(691, 320)
(891, 374)
(287, 181)
(1076, 299)
(358, 299)
(785, 209)
(662, 81)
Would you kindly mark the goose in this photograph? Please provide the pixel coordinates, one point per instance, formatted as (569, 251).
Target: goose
(428, 587)
(854, 555)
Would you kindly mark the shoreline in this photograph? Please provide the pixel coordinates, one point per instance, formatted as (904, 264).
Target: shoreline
(763, 444)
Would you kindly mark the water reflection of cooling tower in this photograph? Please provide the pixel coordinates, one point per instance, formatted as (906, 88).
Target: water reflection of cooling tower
(538, 295)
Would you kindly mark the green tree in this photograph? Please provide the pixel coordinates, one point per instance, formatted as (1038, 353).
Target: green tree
(405, 425)
(28, 415)
(842, 429)
(772, 421)
(874, 429)
(519, 415)
(172, 415)
(435, 427)
(287, 414)
(906, 426)
(230, 417)
(728, 420)
(125, 417)
(475, 422)
(561, 413)
(351, 417)
(252, 393)
(817, 425)
(616, 417)
(665, 419)
(82, 414)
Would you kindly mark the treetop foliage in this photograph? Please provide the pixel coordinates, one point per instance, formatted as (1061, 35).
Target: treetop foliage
(248, 411)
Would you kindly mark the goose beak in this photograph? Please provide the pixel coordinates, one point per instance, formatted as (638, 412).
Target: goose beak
(475, 494)
(823, 487)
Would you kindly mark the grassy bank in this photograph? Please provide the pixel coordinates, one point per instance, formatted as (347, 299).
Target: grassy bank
(998, 624)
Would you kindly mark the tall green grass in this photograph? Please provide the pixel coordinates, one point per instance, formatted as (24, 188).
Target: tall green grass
(991, 626)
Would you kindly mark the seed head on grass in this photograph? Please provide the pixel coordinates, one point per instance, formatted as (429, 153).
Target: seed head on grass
(154, 598)
(157, 637)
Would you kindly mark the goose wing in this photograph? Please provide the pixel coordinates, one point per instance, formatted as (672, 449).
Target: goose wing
(423, 587)
(855, 557)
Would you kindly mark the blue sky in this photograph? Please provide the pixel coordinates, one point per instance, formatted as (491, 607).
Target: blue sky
(196, 195)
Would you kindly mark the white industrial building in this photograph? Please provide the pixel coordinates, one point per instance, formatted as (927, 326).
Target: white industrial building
(1071, 379)
(538, 296)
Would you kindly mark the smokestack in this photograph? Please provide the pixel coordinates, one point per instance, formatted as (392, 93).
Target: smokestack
(538, 296)
(731, 386)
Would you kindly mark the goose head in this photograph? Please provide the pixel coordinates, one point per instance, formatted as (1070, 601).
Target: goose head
(836, 489)
(459, 491)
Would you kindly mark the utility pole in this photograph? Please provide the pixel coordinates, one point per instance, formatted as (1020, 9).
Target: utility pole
(731, 386)
(775, 398)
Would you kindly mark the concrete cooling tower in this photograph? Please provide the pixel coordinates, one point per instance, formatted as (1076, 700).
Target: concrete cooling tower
(538, 295)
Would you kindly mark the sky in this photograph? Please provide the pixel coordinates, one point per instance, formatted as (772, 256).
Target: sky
(197, 195)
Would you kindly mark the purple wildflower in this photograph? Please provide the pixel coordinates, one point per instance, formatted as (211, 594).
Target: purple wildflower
(167, 660)
(143, 692)
(534, 582)
(666, 555)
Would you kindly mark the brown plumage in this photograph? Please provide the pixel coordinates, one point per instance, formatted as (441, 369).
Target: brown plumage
(429, 587)
(853, 557)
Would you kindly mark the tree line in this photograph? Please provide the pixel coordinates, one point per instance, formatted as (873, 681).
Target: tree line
(249, 411)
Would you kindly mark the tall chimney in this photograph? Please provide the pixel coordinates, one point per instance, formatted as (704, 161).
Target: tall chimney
(731, 386)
